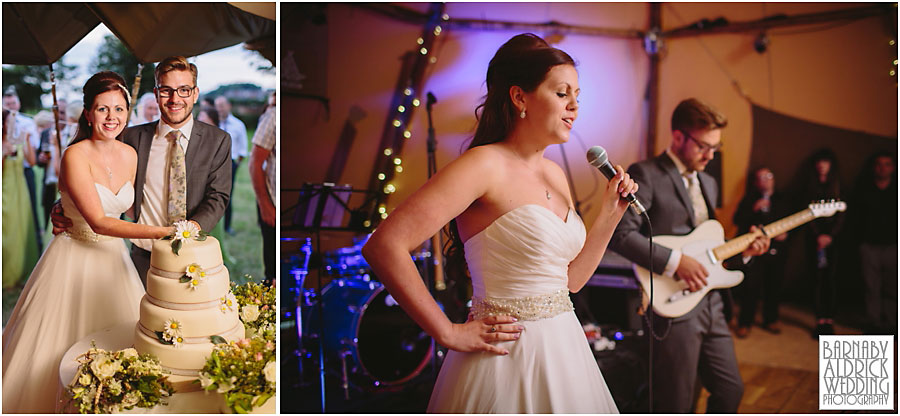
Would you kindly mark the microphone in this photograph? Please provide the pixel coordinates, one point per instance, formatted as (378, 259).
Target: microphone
(596, 156)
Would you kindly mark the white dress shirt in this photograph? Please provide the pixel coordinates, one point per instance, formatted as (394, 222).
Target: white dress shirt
(155, 202)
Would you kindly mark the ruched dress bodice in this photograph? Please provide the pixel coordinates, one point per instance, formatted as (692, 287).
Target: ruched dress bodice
(524, 252)
(114, 204)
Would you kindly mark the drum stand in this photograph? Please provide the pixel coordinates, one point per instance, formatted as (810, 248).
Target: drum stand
(329, 204)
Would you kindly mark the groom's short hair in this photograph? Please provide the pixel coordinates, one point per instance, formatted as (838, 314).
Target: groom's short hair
(175, 63)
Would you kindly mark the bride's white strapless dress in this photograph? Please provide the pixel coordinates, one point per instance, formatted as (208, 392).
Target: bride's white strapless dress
(519, 266)
(83, 283)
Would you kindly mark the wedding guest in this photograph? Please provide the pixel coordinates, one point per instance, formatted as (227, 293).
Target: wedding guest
(147, 110)
(238, 131)
(523, 349)
(73, 111)
(209, 116)
(761, 205)
(874, 211)
(20, 248)
(262, 175)
(823, 183)
(48, 158)
(84, 281)
(25, 131)
(204, 150)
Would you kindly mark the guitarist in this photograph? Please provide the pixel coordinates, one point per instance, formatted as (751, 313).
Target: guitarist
(677, 195)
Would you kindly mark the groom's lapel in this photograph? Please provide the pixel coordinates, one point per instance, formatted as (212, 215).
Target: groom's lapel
(193, 152)
(144, 140)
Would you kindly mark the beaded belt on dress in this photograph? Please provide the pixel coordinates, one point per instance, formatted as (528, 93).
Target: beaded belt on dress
(86, 235)
(530, 308)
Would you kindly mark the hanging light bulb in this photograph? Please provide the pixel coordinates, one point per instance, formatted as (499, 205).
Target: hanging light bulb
(388, 152)
(397, 123)
(423, 51)
(401, 108)
(381, 176)
(407, 134)
(397, 161)
(399, 169)
(416, 102)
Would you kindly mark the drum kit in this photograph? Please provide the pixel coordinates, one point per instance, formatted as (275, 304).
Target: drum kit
(351, 328)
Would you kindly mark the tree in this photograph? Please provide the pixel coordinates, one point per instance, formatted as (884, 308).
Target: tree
(112, 55)
(32, 81)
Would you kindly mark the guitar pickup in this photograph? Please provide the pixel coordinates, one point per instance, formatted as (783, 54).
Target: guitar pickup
(678, 295)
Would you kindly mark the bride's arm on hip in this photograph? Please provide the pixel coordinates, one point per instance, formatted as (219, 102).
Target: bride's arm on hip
(612, 207)
(76, 179)
(445, 196)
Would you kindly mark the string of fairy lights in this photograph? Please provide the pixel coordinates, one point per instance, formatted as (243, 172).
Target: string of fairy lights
(893, 44)
(390, 159)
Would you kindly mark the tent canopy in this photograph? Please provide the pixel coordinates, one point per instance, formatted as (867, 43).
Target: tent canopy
(40, 33)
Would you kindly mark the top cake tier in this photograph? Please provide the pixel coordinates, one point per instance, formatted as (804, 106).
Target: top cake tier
(206, 253)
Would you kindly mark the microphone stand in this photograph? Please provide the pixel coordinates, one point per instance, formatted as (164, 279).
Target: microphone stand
(433, 284)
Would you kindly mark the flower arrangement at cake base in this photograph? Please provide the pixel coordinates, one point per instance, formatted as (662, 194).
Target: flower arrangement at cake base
(244, 372)
(257, 309)
(110, 382)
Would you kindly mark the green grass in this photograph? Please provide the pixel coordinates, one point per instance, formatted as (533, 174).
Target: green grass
(243, 249)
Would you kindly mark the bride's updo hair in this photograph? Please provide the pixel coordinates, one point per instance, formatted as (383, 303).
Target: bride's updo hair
(523, 61)
(98, 84)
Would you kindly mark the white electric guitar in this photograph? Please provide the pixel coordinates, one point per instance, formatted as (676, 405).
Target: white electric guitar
(706, 244)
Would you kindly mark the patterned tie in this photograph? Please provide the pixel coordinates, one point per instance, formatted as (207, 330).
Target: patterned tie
(177, 209)
(701, 213)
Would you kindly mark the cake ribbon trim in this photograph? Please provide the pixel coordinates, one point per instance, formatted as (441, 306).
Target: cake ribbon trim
(190, 340)
(183, 306)
(178, 275)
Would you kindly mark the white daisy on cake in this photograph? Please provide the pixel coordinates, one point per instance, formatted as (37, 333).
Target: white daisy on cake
(173, 329)
(186, 230)
(193, 270)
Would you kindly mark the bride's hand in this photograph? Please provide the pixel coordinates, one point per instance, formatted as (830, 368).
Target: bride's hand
(166, 231)
(619, 187)
(478, 335)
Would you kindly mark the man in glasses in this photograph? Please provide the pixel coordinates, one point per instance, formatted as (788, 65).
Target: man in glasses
(184, 168)
(677, 195)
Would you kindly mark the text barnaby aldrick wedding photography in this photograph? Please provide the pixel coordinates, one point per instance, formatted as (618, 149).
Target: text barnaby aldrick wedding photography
(856, 372)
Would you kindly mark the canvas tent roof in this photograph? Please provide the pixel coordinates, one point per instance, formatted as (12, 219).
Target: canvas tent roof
(40, 33)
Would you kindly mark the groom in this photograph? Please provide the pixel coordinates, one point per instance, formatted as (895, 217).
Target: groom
(206, 157)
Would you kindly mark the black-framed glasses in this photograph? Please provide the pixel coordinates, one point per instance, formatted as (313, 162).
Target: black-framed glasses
(183, 91)
(704, 147)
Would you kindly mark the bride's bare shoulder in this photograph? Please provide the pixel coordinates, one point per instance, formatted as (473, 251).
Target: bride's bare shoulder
(125, 150)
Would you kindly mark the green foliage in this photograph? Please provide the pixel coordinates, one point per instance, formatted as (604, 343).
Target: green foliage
(243, 371)
(112, 55)
(32, 81)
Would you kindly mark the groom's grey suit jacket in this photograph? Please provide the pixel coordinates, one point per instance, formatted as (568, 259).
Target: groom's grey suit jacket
(208, 169)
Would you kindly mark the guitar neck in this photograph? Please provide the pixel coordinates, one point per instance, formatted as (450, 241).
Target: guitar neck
(740, 243)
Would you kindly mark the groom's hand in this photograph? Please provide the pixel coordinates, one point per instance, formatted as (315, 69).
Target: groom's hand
(61, 223)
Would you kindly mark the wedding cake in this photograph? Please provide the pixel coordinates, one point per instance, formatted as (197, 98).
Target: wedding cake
(187, 305)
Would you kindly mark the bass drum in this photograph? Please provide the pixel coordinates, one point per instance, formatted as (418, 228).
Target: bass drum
(368, 335)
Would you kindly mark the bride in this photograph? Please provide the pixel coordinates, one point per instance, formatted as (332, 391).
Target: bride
(85, 280)
(522, 350)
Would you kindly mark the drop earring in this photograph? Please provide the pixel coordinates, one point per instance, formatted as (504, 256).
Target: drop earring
(522, 114)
